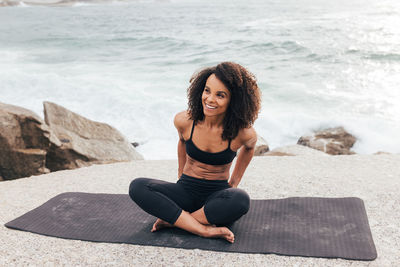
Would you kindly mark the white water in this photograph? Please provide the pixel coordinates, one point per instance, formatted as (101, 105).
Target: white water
(128, 64)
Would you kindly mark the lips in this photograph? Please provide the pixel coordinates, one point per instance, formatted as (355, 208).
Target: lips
(210, 107)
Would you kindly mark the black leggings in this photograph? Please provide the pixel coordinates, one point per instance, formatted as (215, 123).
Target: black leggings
(164, 200)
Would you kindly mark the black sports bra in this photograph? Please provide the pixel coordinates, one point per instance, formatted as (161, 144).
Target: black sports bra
(218, 158)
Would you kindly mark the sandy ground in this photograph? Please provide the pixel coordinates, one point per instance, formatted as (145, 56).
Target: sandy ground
(373, 178)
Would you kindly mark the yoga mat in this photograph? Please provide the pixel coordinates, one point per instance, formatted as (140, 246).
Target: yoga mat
(298, 226)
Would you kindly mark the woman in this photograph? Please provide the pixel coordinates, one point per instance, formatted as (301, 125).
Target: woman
(224, 102)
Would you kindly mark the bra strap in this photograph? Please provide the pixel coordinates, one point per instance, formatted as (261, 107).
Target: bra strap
(191, 133)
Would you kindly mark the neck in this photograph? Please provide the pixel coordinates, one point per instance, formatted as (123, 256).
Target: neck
(214, 121)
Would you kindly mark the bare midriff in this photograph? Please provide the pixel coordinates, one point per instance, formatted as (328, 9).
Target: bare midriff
(201, 170)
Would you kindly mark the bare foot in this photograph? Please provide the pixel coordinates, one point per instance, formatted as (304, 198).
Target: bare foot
(221, 232)
(159, 224)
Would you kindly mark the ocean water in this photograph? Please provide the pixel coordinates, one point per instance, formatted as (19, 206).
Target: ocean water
(319, 64)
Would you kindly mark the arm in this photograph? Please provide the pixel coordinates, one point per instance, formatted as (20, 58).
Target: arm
(245, 155)
(181, 156)
(178, 122)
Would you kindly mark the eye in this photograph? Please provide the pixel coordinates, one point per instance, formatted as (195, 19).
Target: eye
(206, 90)
(221, 95)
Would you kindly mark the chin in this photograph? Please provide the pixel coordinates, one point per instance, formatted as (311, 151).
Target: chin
(205, 112)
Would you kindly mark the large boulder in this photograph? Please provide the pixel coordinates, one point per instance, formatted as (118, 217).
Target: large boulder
(29, 146)
(334, 141)
(83, 141)
(24, 140)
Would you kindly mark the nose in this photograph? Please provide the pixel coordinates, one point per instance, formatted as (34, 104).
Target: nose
(211, 98)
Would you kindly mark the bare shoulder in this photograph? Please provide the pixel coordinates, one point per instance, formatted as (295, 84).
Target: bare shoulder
(182, 122)
(182, 119)
(248, 137)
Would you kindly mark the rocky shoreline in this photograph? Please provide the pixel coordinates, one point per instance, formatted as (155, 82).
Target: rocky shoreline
(66, 140)
(63, 140)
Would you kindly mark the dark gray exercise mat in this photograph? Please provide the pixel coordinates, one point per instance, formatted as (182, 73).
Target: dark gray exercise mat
(299, 226)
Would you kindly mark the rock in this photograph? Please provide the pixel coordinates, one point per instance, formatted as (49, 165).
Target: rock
(277, 153)
(25, 163)
(24, 139)
(83, 141)
(382, 153)
(295, 150)
(334, 141)
(261, 146)
(8, 3)
(28, 146)
(135, 144)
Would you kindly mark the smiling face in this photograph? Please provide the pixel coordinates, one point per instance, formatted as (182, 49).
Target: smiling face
(216, 97)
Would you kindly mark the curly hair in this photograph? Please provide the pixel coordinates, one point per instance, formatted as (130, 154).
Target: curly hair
(245, 102)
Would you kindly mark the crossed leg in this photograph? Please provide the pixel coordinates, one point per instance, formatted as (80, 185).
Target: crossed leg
(196, 223)
(199, 215)
(153, 196)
